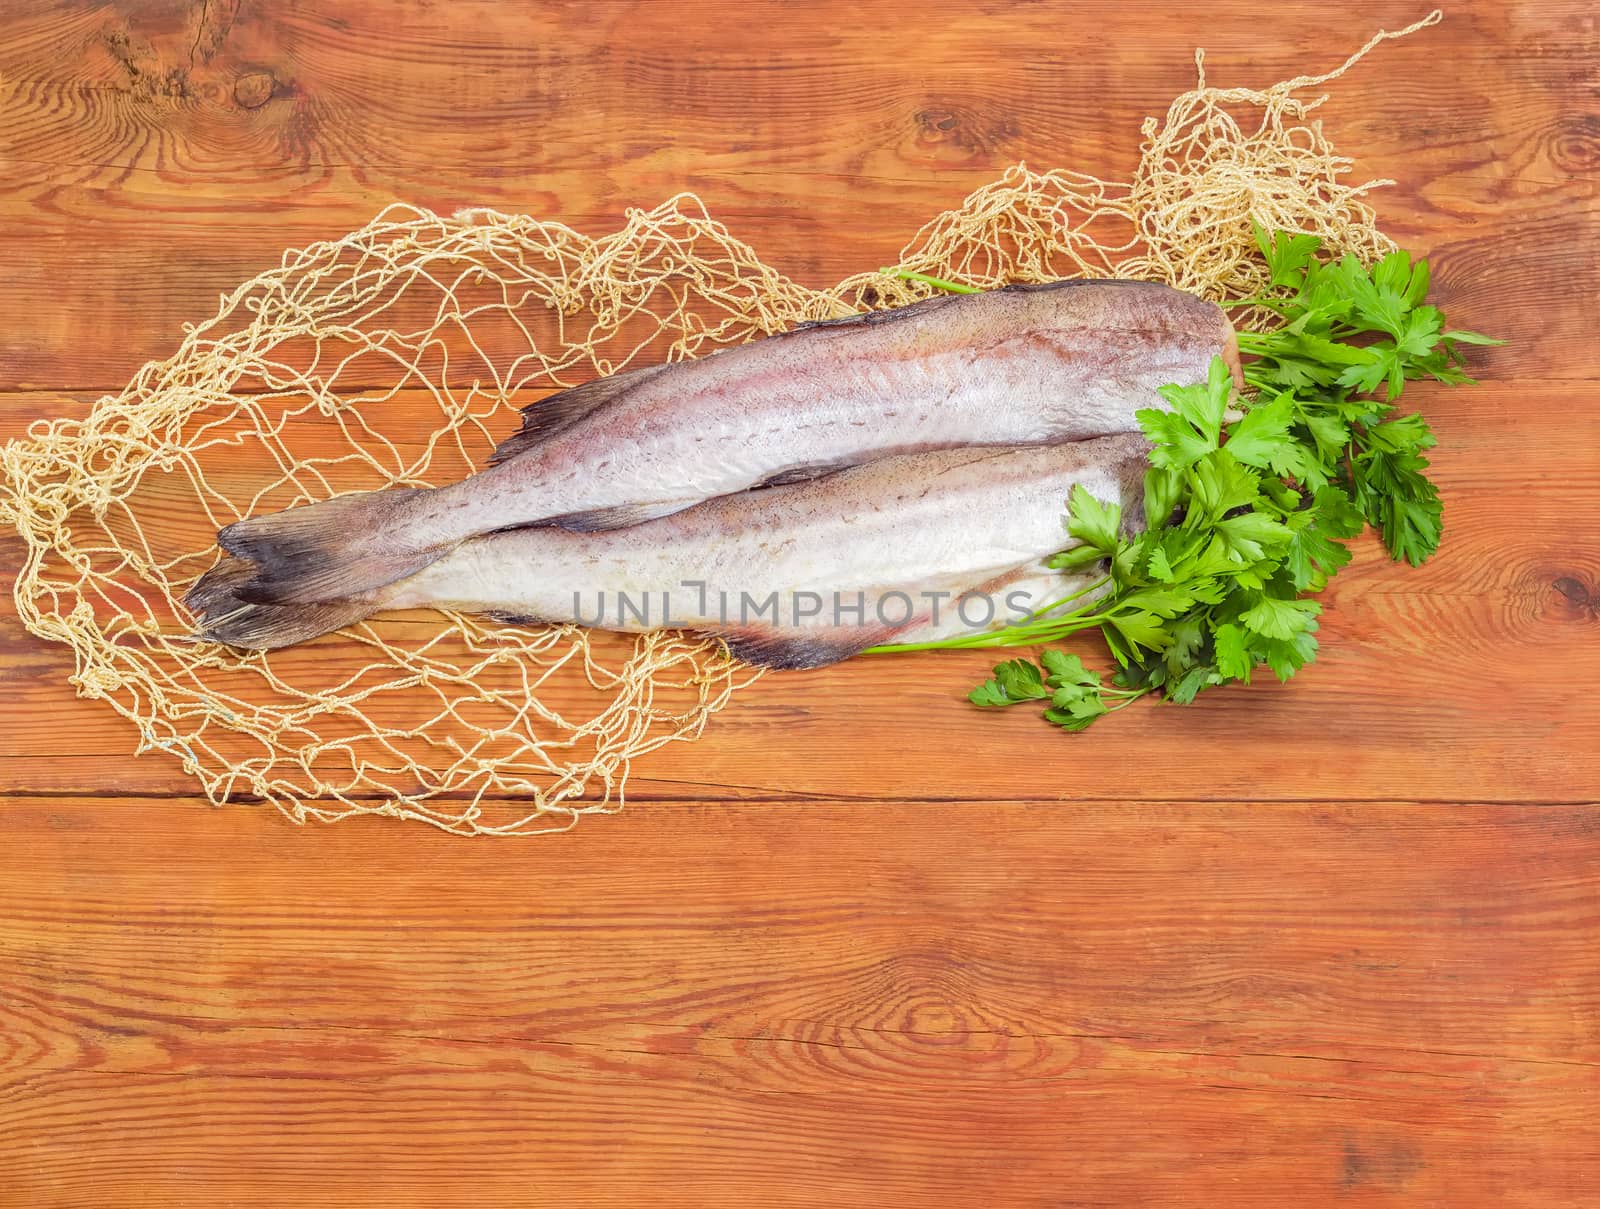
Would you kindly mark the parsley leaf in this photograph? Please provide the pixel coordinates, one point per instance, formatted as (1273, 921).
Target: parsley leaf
(1092, 522)
(1014, 680)
(1247, 516)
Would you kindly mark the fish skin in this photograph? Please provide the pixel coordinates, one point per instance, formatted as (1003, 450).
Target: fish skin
(950, 521)
(1063, 361)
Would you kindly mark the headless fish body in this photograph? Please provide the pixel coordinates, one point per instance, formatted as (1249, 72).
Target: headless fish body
(902, 549)
(1066, 361)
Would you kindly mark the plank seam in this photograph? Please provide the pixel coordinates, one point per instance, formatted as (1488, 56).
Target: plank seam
(52, 795)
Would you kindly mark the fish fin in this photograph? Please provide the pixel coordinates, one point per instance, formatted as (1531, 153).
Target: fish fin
(508, 617)
(222, 615)
(770, 646)
(550, 415)
(619, 517)
(328, 550)
(874, 318)
(799, 474)
(215, 590)
(1072, 283)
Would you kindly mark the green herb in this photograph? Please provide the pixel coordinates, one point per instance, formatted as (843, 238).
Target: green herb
(938, 283)
(1075, 694)
(1247, 517)
(1210, 590)
(1350, 333)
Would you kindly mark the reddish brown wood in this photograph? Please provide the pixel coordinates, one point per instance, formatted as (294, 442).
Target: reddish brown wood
(1330, 944)
(1181, 1004)
(1450, 681)
(144, 178)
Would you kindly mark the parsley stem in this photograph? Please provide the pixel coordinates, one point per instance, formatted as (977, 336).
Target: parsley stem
(1036, 633)
(1018, 633)
(1257, 343)
(1068, 599)
(936, 282)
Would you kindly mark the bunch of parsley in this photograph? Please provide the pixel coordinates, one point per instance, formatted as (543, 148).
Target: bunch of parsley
(1350, 340)
(1246, 518)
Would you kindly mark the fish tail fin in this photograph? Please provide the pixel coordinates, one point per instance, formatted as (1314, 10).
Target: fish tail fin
(223, 615)
(330, 550)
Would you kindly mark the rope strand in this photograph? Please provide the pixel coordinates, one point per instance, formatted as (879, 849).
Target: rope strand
(295, 390)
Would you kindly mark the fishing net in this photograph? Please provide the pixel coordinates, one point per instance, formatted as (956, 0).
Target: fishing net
(397, 355)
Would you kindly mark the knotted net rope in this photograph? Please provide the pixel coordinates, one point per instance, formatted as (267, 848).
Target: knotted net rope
(398, 353)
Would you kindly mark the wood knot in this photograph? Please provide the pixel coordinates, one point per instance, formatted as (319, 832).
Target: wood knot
(1575, 144)
(1577, 592)
(934, 121)
(968, 130)
(254, 89)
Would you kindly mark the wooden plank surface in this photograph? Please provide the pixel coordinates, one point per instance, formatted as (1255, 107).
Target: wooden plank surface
(1410, 658)
(150, 167)
(1186, 1004)
(1329, 944)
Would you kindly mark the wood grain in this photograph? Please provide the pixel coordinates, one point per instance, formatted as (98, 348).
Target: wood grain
(200, 139)
(1452, 679)
(1330, 944)
(1146, 1010)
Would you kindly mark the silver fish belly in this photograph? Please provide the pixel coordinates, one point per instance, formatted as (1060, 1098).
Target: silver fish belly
(1063, 362)
(796, 576)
